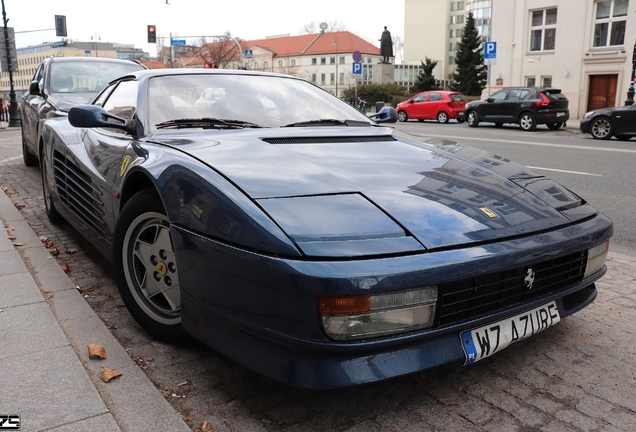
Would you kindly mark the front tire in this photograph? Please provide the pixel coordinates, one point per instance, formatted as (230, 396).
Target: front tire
(527, 122)
(442, 117)
(602, 128)
(402, 116)
(472, 118)
(146, 267)
(29, 159)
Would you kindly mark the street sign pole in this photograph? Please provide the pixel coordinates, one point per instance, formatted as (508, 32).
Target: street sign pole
(490, 58)
(14, 121)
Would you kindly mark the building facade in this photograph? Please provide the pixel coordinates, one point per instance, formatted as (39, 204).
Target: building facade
(434, 28)
(583, 47)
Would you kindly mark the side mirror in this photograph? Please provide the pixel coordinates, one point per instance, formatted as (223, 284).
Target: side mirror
(385, 115)
(34, 88)
(490, 100)
(89, 116)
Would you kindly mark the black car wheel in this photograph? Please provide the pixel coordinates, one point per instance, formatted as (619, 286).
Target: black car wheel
(555, 126)
(472, 118)
(460, 120)
(146, 267)
(623, 137)
(51, 212)
(442, 117)
(527, 121)
(601, 128)
(499, 124)
(28, 158)
(402, 116)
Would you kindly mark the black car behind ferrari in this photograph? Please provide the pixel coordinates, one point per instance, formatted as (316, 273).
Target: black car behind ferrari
(58, 84)
(525, 106)
(290, 232)
(605, 123)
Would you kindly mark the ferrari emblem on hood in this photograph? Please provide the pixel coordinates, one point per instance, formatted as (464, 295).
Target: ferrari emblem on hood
(488, 212)
(529, 279)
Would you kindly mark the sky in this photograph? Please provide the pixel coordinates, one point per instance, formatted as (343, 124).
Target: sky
(126, 21)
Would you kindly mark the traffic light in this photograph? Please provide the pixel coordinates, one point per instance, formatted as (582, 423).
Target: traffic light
(152, 34)
(210, 65)
(60, 25)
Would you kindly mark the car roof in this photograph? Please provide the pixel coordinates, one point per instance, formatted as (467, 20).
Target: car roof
(91, 59)
(150, 73)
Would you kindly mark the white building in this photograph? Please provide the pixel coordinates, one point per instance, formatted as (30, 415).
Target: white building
(583, 47)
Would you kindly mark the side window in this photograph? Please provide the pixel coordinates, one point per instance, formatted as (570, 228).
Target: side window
(500, 95)
(99, 101)
(421, 98)
(122, 101)
(514, 95)
(436, 97)
(39, 76)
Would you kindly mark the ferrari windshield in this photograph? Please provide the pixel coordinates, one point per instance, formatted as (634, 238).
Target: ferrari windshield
(265, 101)
(87, 77)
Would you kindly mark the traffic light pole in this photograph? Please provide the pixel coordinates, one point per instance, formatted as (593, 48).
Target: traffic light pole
(14, 121)
(630, 93)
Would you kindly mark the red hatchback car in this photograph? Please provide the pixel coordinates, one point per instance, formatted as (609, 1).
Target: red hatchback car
(433, 105)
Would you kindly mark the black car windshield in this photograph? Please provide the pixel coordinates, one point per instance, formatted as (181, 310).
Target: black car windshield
(87, 76)
(266, 101)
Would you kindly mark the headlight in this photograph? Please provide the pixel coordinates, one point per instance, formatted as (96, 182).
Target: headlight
(596, 258)
(587, 114)
(368, 316)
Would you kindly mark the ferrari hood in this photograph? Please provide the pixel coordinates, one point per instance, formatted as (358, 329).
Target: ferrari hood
(366, 183)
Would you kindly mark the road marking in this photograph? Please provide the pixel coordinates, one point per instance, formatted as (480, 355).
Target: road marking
(458, 138)
(565, 171)
(10, 159)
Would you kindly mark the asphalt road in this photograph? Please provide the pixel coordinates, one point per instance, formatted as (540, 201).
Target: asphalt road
(602, 172)
(576, 376)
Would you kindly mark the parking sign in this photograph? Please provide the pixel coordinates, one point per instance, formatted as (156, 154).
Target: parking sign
(490, 53)
(357, 68)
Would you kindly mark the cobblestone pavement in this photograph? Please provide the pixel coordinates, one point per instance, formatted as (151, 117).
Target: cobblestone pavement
(576, 376)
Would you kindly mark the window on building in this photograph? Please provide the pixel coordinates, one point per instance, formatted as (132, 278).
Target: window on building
(341, 60)
(313, 61)
(323, 60)
(266, 64)
(280, 63)
(332, 60)
(543, 30)
(368, 60)
(255, 65)
(451, 60)
(453, 6)
(322, 79)
(546, 81)
(457, 19)
(293, 62)
(531, 81)
(313, 78)
(341, 78)
(452, 46)
(452, 33)
(460, 5)
(332, 78)
(609, 26)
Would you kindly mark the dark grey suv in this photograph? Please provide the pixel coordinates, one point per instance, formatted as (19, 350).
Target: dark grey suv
(525, 106)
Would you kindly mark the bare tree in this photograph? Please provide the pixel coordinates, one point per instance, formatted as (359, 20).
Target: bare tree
(219, 51)
(332, 26)
(398, 49)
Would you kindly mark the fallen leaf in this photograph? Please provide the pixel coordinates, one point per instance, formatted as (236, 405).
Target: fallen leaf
(11, 237)
(71, 250)
(10, 192)
(150, 359)
(108, 374)
(96, 351)
(8, 228)
(18, 244)
(55, 251)
(19, 206)
(66, 268)
(43, 239)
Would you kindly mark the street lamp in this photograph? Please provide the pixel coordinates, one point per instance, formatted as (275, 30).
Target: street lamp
(630, 93)
(14, 121)
(335, 41)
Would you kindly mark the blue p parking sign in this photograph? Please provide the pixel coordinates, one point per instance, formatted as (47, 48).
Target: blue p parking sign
(490, 50)
(357, 68)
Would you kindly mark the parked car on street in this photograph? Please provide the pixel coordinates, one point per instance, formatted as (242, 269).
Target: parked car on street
(433, 105)
(58, 84)
(605, 123)
(307, 241)
(525, 106)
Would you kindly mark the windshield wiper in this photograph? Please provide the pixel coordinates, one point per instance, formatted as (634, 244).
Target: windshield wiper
(206, 123)
(328, 122)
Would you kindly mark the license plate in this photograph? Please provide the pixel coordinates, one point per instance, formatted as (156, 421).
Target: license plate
(460, 113)
(487, 340)
(560, 114)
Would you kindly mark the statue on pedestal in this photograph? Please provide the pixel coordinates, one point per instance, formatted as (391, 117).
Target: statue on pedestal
(386, 46)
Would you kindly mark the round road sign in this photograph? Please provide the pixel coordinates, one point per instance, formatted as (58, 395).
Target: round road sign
(357, 56)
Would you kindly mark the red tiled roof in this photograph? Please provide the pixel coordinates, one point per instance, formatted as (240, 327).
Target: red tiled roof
(314, 44)
(153, 64)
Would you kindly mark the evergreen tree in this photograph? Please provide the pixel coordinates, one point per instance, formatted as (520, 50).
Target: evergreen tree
(470, 75)
(425, 80)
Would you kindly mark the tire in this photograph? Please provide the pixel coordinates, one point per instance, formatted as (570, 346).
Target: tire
(51, 212)
(622, 137)
(472, 118)
(460, 120)
(602, 128)
(29, 159)
(402, 116)
(527, 121)
(498, 125)
(143, 254)
(555, 126)
(442, 117)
